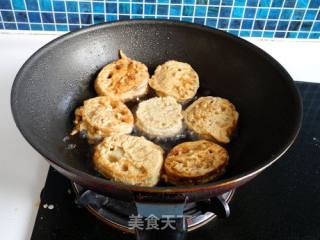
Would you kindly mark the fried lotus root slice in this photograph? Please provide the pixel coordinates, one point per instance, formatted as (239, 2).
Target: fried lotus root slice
(129, 159)
(124, 79)
(102, 117)
(195, 162)
(176, 79)
(212, 118)
(159, 117)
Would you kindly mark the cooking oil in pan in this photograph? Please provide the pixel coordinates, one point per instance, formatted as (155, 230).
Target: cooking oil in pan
(78, 144)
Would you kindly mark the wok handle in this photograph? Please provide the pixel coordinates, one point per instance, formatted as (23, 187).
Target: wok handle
(161, 221)
(216, 205)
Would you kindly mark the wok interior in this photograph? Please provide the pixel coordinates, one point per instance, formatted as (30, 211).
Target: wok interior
(58, 79)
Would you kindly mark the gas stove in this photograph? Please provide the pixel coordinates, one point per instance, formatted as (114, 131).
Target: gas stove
(124, 216)
(282, 203)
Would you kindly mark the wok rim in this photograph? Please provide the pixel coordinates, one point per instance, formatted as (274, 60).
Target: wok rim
(211, 186)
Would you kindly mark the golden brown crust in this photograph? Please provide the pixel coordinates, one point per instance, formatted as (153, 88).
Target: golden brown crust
(176, 79)
(129, 159)
(102, 117)
(124, 79)
(195, 162)
(212, 118)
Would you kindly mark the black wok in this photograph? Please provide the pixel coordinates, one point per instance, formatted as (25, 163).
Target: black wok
(59, 76)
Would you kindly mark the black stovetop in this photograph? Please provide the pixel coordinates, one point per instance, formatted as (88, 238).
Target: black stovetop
(281, 203)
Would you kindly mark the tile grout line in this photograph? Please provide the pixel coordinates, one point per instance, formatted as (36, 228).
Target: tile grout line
(303, 18)
(312, 25)
(242, 18)
(79, 16)
(169, 9)
(232, 29)
(218, 14)
(194, 10)
(86, 25)
(130, 9)
(230, 18)
(1, 20)
(118, 8)
(290, 20)
(14, 15)
(35, 11)
(181, 13)
(143, 7)
(27, 13)
(53, 15)
(67, 19)
(267, 18)
(156, 9)
(105, 16)
(277, 24)
(185, 4)
(92, 14)
(40, 14)
(254, 19)
(127, 14)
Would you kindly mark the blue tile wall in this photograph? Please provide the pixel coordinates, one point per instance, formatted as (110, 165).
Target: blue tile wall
(245, 18)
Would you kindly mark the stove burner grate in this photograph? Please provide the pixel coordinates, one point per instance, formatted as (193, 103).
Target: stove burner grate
(116, 213)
